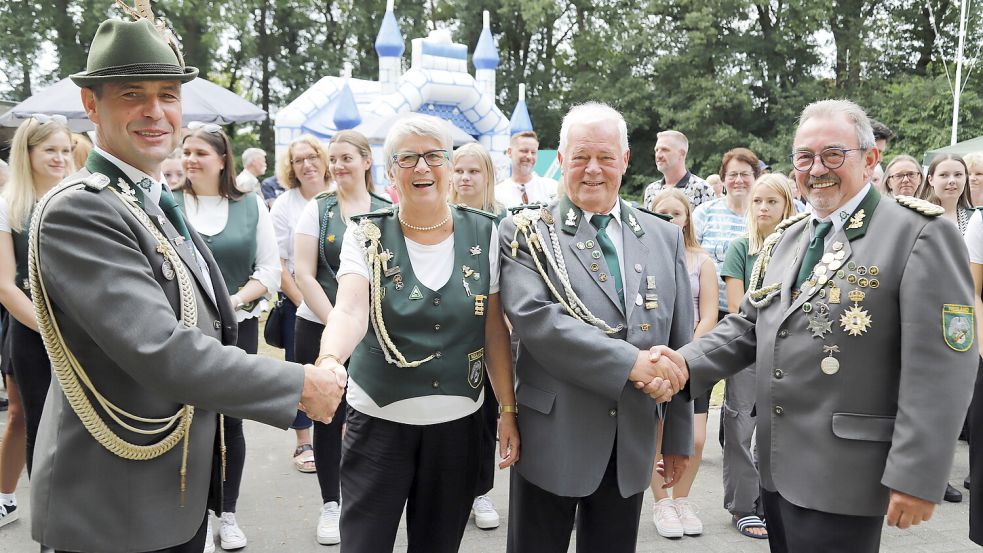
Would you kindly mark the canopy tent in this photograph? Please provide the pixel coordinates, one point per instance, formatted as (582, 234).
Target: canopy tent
(201, 100)
(961, 148)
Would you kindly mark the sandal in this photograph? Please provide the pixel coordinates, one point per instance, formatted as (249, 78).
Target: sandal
(304, 458)
(745, 524)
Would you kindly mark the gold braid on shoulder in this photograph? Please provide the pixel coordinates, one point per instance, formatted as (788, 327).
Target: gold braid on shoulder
(525, 223)
(74, 381)
(370, 235)
(760, 297)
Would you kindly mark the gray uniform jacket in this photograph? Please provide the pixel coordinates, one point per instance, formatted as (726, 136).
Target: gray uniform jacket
(119, 316)
(889, 416)
(575, 401)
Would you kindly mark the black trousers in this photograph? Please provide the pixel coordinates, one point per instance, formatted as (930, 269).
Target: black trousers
(327, 437)
(541, 522)
(976, 461)
(431, 469)
(194, 545)
(32, 371)
(235, 440)
(794, 529)
(488, 442)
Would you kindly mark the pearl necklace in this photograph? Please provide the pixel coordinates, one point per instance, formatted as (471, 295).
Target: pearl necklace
(424, 229)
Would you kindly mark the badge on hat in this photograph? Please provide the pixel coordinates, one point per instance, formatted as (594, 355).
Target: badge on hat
(957, 326)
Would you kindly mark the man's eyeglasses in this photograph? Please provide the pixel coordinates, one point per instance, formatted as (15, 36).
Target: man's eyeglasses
(910, 176)
(207, 127)
(433, 158)
(45, 119)
(831, 158)
(300, 161)
(734, 175)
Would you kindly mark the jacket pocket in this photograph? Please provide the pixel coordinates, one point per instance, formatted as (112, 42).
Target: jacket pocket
(535, 399)
(873, 428)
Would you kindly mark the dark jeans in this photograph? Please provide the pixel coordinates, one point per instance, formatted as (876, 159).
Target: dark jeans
(327, 437)
(32, 371)
(488, 441)
(301, 421)
(235, 440)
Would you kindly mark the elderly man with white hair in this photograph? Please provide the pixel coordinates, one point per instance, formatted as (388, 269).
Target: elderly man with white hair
(254, 166)
(590, 284)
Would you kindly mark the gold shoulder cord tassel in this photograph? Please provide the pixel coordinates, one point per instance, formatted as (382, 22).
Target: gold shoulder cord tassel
(75, 382)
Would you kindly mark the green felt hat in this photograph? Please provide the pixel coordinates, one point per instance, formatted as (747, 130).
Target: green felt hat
(131, 51)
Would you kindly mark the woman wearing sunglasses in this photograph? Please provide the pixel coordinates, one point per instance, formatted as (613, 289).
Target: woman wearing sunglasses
(317, 249)
(425, 274)
(40, 157)
(237, 229)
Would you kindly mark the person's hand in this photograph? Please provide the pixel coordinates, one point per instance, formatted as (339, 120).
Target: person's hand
(508, 439)
(671, 468)
(905, 510)
(658, 354)
(324, 388)
(659, 389)
(649, 365)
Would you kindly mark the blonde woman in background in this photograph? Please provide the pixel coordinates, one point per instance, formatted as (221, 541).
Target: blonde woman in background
(40, 157)
(81, 146)
(173, 170)
(903, 176)
(771, 203)
(675, 516)
(974, 163)
(303, 171)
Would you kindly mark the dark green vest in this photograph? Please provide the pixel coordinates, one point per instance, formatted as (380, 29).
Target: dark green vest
(422, 322)
(20, 238)
(234, 248)
(332, 227)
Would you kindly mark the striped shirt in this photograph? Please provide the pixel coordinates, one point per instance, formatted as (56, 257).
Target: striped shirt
(716, 225)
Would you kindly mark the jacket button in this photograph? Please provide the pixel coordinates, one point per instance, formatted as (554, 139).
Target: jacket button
(613, 413)
(779, 410)
(783, 333)
(438, 355)
(779, 374)
(436, 384)
(217, 325)
(436, 301)
(436, 327)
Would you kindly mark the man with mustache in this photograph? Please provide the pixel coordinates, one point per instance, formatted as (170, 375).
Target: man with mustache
(856, 316)
(134, 313)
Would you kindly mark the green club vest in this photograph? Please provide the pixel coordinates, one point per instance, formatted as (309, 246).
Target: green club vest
(332, 227)
(234, 248)
(20, 238)
(422, 322)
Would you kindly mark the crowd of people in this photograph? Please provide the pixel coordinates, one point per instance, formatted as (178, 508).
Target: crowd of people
(457, 320)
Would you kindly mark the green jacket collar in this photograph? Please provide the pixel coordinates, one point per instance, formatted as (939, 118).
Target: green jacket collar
(570, 216)
(857, 225)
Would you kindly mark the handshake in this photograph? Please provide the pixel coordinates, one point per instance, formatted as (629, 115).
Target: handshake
(659, 372)
(324, 388)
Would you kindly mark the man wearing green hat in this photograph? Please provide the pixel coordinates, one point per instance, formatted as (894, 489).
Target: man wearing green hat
(134, 314)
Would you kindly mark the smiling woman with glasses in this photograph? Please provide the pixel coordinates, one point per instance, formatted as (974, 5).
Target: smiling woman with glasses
(903, 176)
(303, 171)
(425, 275)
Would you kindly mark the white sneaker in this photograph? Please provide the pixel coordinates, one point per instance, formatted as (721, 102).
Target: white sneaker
(8, 514)
(692, 525)
(485, 515)
(328, 532)
(666, 519)
(229, 534)
(209, 537)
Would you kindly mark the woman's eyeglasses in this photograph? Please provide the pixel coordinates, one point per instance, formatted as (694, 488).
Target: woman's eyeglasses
(433, 158)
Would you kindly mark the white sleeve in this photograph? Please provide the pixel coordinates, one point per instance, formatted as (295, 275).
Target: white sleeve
(494, 261)
(281, 225)
(309, 223)
(974, 238)
(4, 221)
(352, 260)
(267, 255)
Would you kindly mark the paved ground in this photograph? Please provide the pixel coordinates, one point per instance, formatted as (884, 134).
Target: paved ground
(279, 506)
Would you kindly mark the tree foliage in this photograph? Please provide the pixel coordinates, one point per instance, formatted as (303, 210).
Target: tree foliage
(727, 73)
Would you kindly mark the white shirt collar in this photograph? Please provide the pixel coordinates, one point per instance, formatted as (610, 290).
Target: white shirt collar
(135, 175)
(841, 215)
(616, 211)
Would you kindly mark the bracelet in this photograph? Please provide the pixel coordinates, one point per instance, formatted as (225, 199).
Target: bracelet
(508, 409)
(324, 356)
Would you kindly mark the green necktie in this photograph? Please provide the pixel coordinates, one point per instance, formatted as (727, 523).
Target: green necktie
(170, 208)
(815, 251)
(600, 222)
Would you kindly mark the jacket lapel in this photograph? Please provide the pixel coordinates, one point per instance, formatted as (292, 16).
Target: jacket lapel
(184, 249)
(577, 232)
(636, 253)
